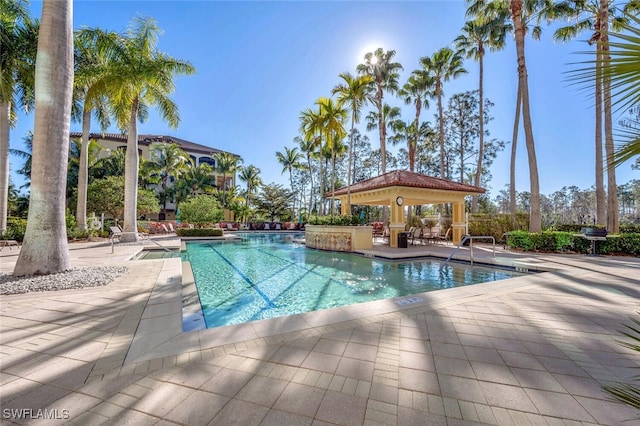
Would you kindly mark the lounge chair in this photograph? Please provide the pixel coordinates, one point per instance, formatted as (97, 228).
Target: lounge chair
(116, 233)
(414, 235)
(278, 227)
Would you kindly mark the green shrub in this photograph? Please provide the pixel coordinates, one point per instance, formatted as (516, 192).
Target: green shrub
(16, 228)
(496, 225)
(340, 220)
(199, 232)
(201, 210)
(624, 244)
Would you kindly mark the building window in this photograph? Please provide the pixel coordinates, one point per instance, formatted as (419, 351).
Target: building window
(208, 160)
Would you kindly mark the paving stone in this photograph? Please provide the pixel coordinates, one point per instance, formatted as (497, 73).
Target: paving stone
(417, 380)
(199, 408)
(300, 399)
(262, 390)
(342, 409)
(238, 412)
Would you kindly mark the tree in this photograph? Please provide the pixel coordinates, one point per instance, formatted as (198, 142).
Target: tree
(107, 196)
(274, 200)
(201, 210)
(89, 63)
(289, 160)
(353, 92)
(311, 129)
(417, 90)
(385, 73)
(195, 180)
(477, 34)
(332, 118)
(18, 42)
(442, 66)
(138, 76)
(251, 177)
(227, 164)
(168, 161)
(44, 249)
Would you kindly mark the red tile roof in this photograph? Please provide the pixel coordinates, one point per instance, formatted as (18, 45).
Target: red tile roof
(410, 179)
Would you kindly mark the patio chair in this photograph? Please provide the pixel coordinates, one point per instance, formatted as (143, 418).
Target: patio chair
(116, 233)
(278, 227)
(386, 234)
(415, 234)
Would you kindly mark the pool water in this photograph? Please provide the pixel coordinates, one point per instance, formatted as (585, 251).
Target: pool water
(269, 275)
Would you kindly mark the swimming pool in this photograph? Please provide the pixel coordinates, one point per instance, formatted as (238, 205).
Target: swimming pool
(269, 275)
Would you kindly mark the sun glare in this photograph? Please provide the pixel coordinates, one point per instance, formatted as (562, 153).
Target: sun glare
(368, 49)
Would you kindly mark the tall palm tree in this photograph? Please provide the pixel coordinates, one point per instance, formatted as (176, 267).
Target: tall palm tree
(227, 165)
(18, 41)
(521, 12)
(311, 130)
(168, 161)
(194, 180)
(442, 66)
(476, 35)
(354, 92)
(138, 77)
(251, 177)
(589, 15)
(289, 160)
(45, 250)
(333, 115)
(89, 62)
(385, 73)
(417, 90)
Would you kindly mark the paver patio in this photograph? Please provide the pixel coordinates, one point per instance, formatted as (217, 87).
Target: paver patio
(529, 350)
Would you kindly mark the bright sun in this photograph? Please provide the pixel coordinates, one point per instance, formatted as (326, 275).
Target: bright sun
(367, 49)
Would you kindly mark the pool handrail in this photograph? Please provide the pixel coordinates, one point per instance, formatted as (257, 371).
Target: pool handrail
(470, 238)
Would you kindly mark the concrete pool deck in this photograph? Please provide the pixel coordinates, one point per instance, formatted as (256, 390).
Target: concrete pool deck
(529, 350)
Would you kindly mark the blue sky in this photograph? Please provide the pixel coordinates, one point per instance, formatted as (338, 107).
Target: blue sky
(259, 64)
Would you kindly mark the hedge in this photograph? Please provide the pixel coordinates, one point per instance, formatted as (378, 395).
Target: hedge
(199, 232)
(556, 241)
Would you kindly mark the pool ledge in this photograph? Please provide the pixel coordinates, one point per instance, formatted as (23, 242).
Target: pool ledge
(160, 332)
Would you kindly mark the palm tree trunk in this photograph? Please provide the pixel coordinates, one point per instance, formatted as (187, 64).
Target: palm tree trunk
(333, 180)
(353, 125)
(83, 171)
(131, 179)
(535, 217)
(441, 130)
(613, 221)
(474, 202)
(311, 196)
(601, 208)
(45, 250)
(512, 173)
(5, 107)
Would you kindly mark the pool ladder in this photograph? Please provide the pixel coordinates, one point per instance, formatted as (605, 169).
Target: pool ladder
(470, 238)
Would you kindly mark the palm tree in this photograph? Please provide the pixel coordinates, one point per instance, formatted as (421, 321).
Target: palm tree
(417, 90)
(18, 41)
(89, 62)
(477, 34)
(385, 73)
(442, 66)
(227, 164)
(588, 15)
(354, 92)
(333, 115)
(138, 76)
(289, 160)
(311, 129)
(44, 250)
(251, 177)
(168, 160)
(194, 180)
(520, 12)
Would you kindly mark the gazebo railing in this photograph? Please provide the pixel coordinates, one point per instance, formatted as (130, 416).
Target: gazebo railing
(470, 238)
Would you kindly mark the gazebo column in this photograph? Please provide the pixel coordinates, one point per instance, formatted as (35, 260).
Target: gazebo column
(459, 224)
(343, 207)
(396, 224)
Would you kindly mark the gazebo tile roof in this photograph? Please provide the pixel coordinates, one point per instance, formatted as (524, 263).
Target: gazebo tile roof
(408, 179)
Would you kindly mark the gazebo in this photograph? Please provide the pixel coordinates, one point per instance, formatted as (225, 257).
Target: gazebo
(401, 188)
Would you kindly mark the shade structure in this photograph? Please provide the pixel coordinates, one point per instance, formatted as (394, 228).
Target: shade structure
(401, 188)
